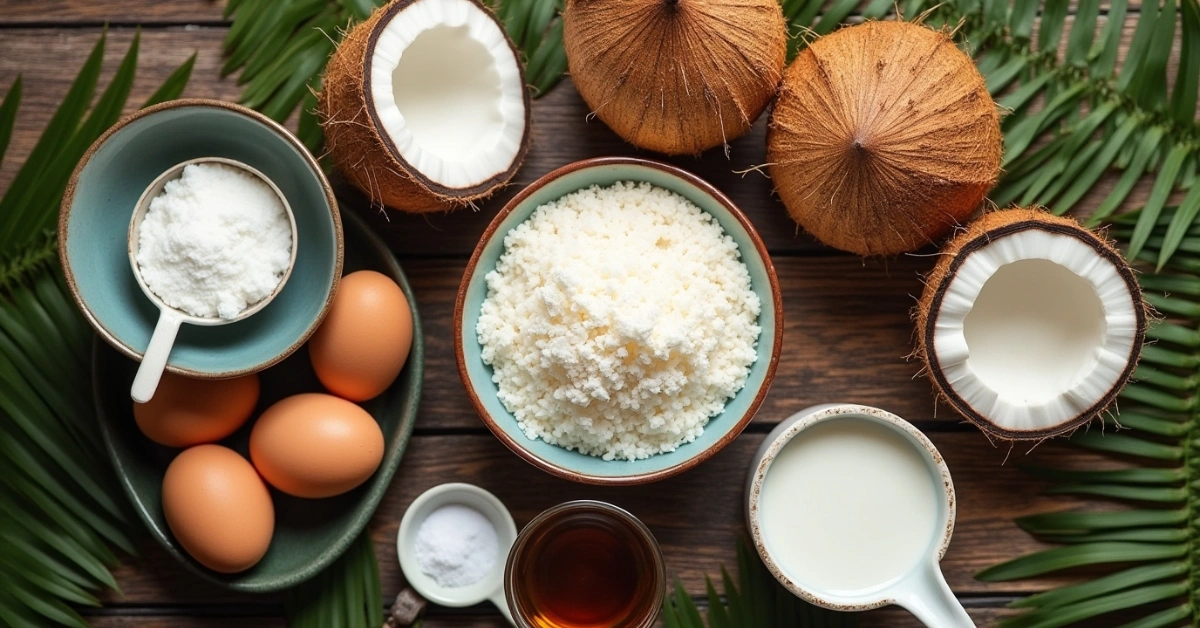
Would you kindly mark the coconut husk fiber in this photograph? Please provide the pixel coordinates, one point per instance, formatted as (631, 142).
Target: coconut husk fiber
(357, 144)
(979, 233)
(883, 138)
(676, 76)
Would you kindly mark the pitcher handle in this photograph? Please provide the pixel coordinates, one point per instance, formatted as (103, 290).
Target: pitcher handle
(155, 358)
(927, 596)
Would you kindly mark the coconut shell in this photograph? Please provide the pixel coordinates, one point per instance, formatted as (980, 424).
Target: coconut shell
(980, 232)
(676, 76)
(355, 140)
(883, 138)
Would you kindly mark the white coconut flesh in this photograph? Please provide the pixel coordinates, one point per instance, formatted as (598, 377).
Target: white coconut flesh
(1035, 329)
(447, 90)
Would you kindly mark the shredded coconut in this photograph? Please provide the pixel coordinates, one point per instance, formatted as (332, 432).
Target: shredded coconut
(215, 242)
(456, 546)
(618, 320)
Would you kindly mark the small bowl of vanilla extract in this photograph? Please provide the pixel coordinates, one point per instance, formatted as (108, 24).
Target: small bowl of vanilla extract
(585, 564)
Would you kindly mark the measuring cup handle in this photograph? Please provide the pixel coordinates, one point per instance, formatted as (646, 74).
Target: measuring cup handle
(155, 358)
(926, 595)
(501, 603)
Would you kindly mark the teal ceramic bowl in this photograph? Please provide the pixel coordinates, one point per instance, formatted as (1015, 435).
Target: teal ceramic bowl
(572, 465)
(100, 199)
(309, 533)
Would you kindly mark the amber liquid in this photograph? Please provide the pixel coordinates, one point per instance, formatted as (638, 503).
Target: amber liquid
(586, 570)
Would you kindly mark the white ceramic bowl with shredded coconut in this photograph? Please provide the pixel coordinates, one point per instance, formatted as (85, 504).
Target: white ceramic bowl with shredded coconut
(722, 428)
(491, 586)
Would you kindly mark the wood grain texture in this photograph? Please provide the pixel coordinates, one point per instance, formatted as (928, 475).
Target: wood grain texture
(75, 12)
(846, 335)
(890, 618)
(696, 517)
(155, 12)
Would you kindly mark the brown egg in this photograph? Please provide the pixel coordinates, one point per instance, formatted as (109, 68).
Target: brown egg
(316, 445)
(362, 345)
(186, 411)
(218, 508)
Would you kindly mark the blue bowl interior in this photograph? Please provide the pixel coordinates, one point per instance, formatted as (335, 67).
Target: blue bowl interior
(480, 374)
(107, 190)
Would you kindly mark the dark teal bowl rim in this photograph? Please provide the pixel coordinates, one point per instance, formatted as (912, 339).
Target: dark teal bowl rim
(494, 230)
(68, 201)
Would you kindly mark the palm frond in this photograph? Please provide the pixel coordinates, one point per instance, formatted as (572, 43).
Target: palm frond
(1093, 116)
(346, 594)
(282, 46)
(757, 599)
(61, 508)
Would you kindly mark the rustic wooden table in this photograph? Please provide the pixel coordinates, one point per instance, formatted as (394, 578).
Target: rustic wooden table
(846, 336)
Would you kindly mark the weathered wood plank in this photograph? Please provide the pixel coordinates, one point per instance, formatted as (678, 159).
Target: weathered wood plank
(156, 618)
(147, 12)
(696, 517)
(845, 337)
(889, 617)
(152, 12)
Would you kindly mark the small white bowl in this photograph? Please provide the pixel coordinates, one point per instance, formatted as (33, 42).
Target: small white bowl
(491, 587)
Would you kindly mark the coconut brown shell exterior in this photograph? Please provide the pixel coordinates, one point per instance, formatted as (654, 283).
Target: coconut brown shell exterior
(357, 143)
(883, 138)
(989, 227)
(676, 76)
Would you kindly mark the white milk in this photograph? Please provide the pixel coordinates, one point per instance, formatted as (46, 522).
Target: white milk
(848, 504)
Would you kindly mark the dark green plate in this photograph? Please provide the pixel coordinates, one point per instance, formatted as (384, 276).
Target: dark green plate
(309, 533)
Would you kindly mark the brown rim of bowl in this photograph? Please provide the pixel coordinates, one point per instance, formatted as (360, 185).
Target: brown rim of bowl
(641, 478)
(64, 213)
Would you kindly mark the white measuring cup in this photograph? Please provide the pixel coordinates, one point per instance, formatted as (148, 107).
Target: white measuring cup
(922, 589)
(491, 586)
(154, 359)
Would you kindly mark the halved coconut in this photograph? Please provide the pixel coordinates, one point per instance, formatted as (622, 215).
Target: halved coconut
(424, 105)
(1030, 324)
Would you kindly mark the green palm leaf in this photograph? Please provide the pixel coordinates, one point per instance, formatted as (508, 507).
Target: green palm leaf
(756, 600)
(61, 508)
(346, 594)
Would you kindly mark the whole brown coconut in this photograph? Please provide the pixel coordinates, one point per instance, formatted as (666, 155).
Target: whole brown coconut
(448, 66)
(1030, 324)
(883, 138)
(676, 76)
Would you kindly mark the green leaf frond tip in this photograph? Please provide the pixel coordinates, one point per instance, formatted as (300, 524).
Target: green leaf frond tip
(345, 594)
(1058, 558)
(757, 599)
(8, 114)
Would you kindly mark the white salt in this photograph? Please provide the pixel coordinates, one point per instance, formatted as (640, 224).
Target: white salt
(456, 546)
(215, 242)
